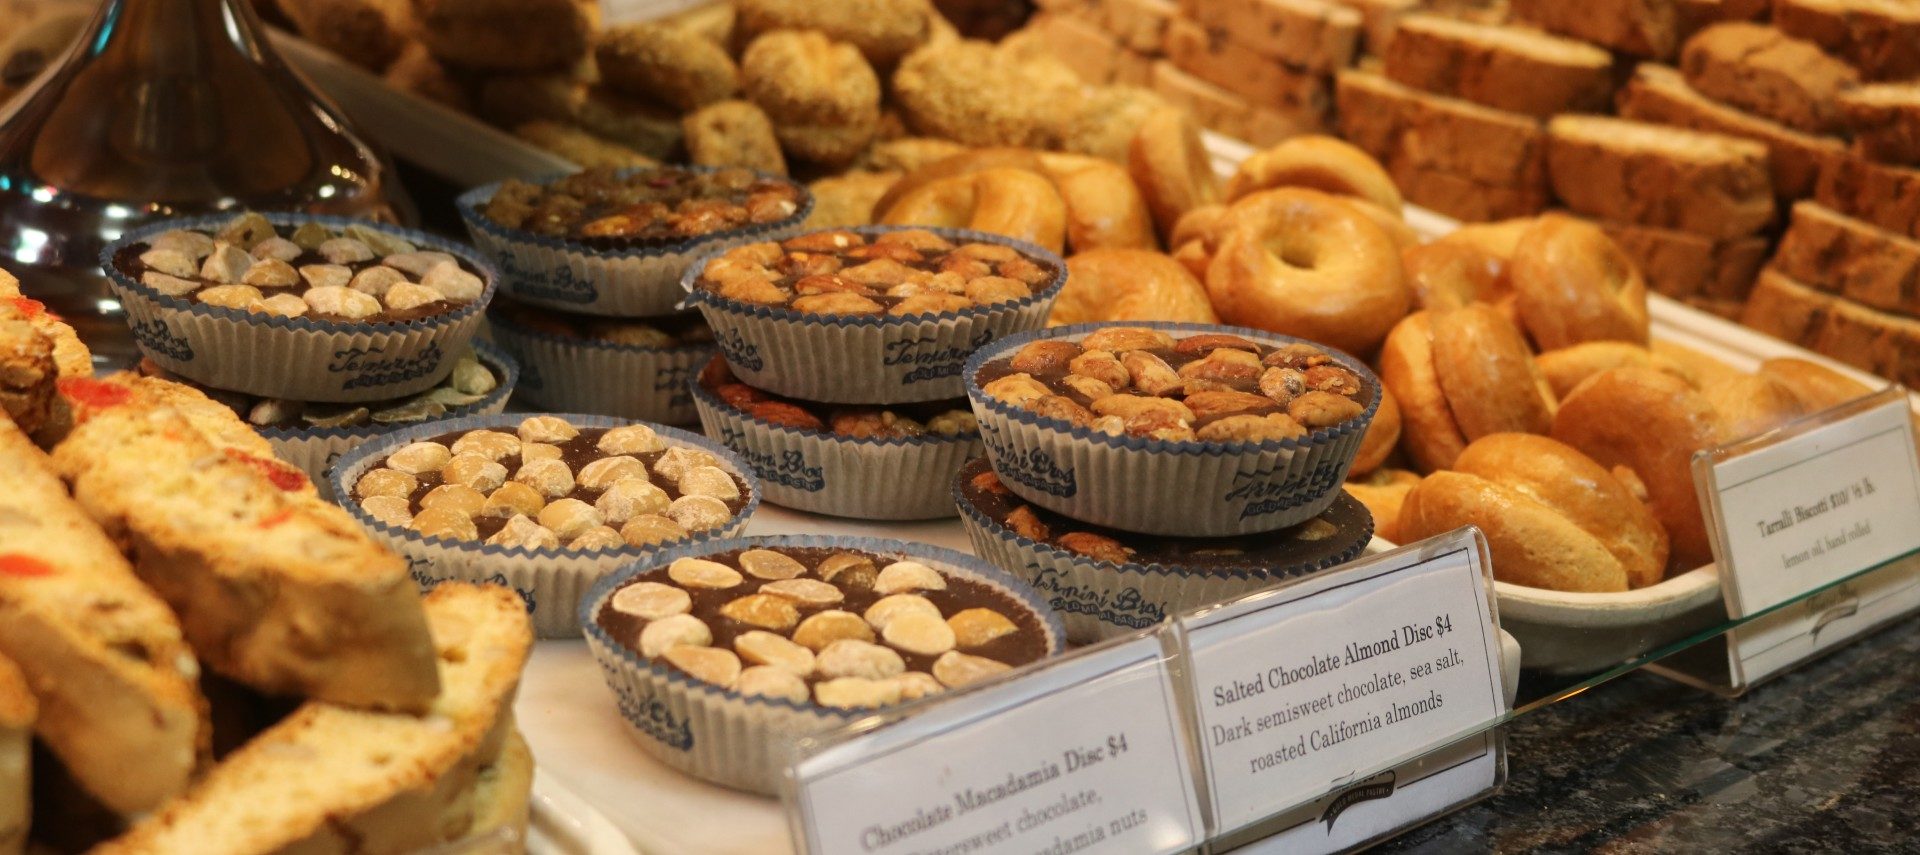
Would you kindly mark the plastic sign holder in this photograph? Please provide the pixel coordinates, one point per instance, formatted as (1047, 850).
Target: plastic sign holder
(1815, 530)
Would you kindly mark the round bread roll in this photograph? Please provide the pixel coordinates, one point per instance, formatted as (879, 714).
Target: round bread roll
(1652, 423)
(1428, 430)
(1568, 367)
(1011, 202)
(1104, 208)
(823, 97)
(1753, 404)
(1574, 284)
(1488, 375)
(1698, 368)
(733, 133)
(883, 30)
(954, 166)
(1816, 386)
(1302, 263)
(1383, 436)
(1131, 285)
(654, 60)
(1450, 275)
(1559, 476)
(1383, 491)
(1324, 163)
(1171, 165)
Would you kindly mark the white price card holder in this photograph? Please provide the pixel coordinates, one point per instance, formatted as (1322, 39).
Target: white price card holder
(1341, 708)
(1799, 516)
(1086, 753)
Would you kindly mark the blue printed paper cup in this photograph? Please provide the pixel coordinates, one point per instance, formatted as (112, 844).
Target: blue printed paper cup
(551, 581)
(868, 359)
(640, 280)
(582, 375)
(737, 740)
(1178, 488)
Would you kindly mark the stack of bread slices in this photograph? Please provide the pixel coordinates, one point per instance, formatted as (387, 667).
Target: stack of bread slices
(164, 580)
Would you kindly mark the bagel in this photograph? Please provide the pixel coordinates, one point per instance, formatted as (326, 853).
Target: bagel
(1382, 437)
(1172, 168)
(1316, 162)
(1651, 423)
(1568, 367)
(1011, 202)
(1753, 404)
(1302, 263)
(1403, 235)
(953, 166)
(1491, 382)
(1498, 239)
(1104, 208)
(1816, 386)
(1427, 428)
(1446, 275)
(1130, 285)
(1553, 517)
(1383, 491)
(1574, 284)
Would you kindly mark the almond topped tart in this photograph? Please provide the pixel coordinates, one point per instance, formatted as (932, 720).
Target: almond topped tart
(299, 306)
(1185, 430)
(870, 315)
(545, 504)
(722, 654)
(615, 241)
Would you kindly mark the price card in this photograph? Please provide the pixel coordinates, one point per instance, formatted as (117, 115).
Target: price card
(1302, 689)
(1086, 753)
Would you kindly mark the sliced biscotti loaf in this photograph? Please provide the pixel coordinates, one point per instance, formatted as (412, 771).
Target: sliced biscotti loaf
(1659, 94)
(1379, 19)
(1689, 266)
(330, 779)
(1879, 37)
(1137, 25)
(1863, 337)
(1230, 65)
(1762, 70)
(276, 588)
(1313, 35)
(1230, 114)
(1464, 198)
(1882, 194)
(1654, 175)
(1885, 120)
(1444, 151)
(118, 688)
(1507, 68)
(1643, 28)
(17, 711)
(37, 349)
(1788, 310)
(1836, 253)
(69, 353)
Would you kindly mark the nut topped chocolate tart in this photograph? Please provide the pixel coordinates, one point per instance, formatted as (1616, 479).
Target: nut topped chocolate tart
(663, 332)
(840, 628)
(893, 272)
(352, 273)
(949, 418)
(472, 382)
(550, 485)
(655, 205)
(1211, 387)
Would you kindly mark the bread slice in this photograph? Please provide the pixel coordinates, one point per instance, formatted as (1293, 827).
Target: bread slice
(1262, 80)
(1879, 37)
(331, 779)
(1654, 175)
(1885, 119)
(1659, 94)
(1787, 309)
(1456, 157)
(1643, 28)
(1227, 113)
(119, 698)
(276, 588)
(17, 711)
(1690, 267)
(1506, 68)
(1378, 21)
(1882, 194)
(1866, 338)
(1759, 69)
(1836, 253)
(1313, 35)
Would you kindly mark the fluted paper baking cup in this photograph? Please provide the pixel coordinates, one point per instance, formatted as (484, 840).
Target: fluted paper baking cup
(301, 359)
(737, 740)
(630, 282)
(1102, 599)
(579, 375)
(868, 359)
(551, 581)
(314, 449)
(881, 478)
(1166, 487)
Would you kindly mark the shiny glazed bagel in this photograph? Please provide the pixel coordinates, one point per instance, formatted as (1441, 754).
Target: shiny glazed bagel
(1172, 168)
(1403, 235)
(1130, 285)
(1104, 208)
(1568, 367)
(1490, 379)
(1575, 284)
(1384, 491)
(1428, 430)
(1382, 437)
(1753, 404)
(1302, 263)
(1011, 202)
(1450, 275)
(1324, 163)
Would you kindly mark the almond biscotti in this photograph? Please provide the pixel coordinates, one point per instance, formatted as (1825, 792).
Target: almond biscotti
(1659, 94)
(276, 588)
(1863, 337)
(1506, 68)
(36, 350)
(1459, 158)
(1643, 28)
(1879, 37)
(1762, 70)
(1885, 195)
(1263, 81)
(117, 686)
(1654, 175)
(1228, 113)
(1836, 253)
(1688, 266)
(1885, 120)
(17, 711)
(329, 779)
(1312, 35)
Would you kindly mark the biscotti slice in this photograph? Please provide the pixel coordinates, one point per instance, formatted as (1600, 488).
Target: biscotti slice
(1644, 28)
(1263, 81)
(1885, 120)
(17, 711)
(1378, 21)
(1786, 309)
(1465, 199)
(276, 589)
(1430, 133)
(1083, 47)
(1689, 266)
(1137, 25)
(1659, 94)
(1227, 113)
(37, 349)
(1879, 37)
(503, 791)
(1654, 175)
(1313, 35)
(1882, 194)
(1762, 70)
(1865, 338)
(1507, 68)
(118, 688)
(331, 779)
(1836, 253)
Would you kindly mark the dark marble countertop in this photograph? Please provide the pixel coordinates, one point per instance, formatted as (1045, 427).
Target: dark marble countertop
(1823, 759)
